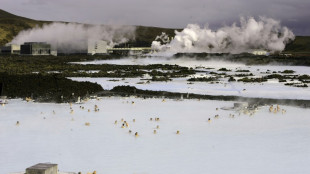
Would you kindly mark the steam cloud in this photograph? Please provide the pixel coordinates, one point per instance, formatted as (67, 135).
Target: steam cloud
(163, 37)
(73, 37)
(265, 33)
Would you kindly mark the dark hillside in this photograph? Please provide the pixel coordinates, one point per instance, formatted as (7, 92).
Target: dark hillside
(301, 44)
(11, 25)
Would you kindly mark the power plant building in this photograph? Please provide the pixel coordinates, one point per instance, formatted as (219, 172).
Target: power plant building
(260, 53)
(10, 49)
(130, 51)
(35, 48)
(97, 47)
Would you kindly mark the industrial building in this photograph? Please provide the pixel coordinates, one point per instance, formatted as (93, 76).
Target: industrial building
(43, 168)
(35, 48)
(130, 51)
(94, 47)
(260, 53)
(101, 47)
(10, 49)
(97, 47)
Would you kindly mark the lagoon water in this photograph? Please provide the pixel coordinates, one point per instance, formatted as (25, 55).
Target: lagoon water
(236, 142)
(246, 143)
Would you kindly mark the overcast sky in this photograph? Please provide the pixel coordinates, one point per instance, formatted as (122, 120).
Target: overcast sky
(294, 14)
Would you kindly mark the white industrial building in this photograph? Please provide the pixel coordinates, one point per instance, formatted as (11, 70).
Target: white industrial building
(97, 47)
(260, 53)
(35, 48)
(29, 48)
(10, 49)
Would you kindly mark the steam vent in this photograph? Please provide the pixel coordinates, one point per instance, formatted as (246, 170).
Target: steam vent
(42, 168)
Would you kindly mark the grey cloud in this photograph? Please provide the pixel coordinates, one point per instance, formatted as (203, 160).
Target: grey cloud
(164, 13)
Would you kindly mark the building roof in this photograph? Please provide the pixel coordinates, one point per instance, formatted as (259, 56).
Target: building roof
(32, 43)
(42, 166)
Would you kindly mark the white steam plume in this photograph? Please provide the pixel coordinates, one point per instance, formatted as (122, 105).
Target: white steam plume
(163, 38)
(265, 33)
(73, 37)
